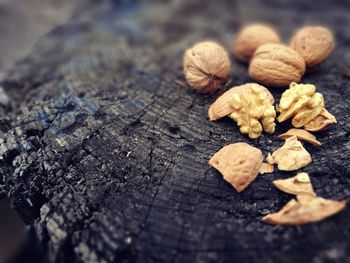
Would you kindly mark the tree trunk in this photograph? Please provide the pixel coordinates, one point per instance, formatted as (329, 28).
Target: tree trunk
(105, 149)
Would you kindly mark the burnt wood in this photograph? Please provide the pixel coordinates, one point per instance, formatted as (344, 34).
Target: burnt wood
(104, 148)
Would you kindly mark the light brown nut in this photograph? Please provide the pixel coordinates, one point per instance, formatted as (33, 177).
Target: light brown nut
(276, 65)
(253, 112)
(302, 135)
(300, 102)
(306, 209)
(239, 164)
(299, 184)
(269, 159)
(222, 106)
(250, 38)
(291, 156)
(321, 123)
(266, 168)
(206, 66)
(313, 43)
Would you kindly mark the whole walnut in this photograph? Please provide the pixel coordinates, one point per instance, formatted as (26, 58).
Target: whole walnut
(206, 66)
(250, 38)
(313, 43)
(276, 65)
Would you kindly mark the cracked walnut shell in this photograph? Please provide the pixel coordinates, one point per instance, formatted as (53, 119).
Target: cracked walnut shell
(222, 106)
(313, 43)
(306, 209)
(253, 112)
(299, 184)
(322, 122)
(276, 65)
(239, 164)
(302, 135)
(206, 66)
(300, 102)
(250, 38)
(291, 156)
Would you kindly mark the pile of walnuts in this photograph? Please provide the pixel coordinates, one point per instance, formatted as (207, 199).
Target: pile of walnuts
(207, 66)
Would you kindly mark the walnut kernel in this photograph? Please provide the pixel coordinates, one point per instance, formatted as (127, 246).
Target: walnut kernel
(222, 106)
(250, 38)
(291, 156)
(301, 135)
(251, 108)
(206, 66)
(302, 102)
(299, 184)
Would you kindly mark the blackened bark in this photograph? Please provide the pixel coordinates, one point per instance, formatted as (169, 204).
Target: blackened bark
(105, 149)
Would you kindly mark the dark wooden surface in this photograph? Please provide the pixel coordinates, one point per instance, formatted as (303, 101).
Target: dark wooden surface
(104, 148)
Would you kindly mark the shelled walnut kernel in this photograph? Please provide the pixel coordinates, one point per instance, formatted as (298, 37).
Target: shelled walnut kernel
(251, 108)
(322, 122)
(300, 102)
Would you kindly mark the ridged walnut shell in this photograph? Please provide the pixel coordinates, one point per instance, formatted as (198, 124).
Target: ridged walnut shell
(250, 38)
(206, 66)
(314, 44)
(276, 65)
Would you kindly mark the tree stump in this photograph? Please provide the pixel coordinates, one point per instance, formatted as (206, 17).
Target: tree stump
(104, 148)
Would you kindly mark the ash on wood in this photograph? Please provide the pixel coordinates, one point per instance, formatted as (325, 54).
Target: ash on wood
(105, 150)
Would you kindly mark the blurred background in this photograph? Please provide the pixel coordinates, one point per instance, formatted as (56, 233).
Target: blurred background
(22, 23)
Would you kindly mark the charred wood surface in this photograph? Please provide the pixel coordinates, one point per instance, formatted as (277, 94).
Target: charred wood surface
(104, 149)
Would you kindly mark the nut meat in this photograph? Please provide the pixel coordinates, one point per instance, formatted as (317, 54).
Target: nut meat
(276, 65)
(300, 102)
(306, 209)
(299, 184)
(291, 156)
(239, 164)
(314, 44)
(222, 106)
(250, 38)
(206, 66)
(251, 108)
(322, 122)
(302, 135)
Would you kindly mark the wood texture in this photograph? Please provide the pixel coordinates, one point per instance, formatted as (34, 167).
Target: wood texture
(105, 150)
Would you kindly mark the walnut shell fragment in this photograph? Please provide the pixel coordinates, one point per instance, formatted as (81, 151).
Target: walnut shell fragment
(266, 168)
(239, 164)
(321, 123)
(291, 156)
(301, 135)
(299, 184)
(306, 209)
(300, 102)
(222, 106)
(206, 66)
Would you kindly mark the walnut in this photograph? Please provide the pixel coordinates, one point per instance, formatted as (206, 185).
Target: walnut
(276, 65)
(206, 66)
(291, 156)
(301, 135)
(313, 43)
(251, 108)
(321, 122)
(222, 106)
(299, 184)
(306, 209)
(302, 102)
(250, 38)
(239, 163)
